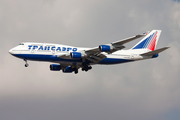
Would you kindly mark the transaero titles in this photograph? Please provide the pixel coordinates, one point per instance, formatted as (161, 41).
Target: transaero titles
(53, 48)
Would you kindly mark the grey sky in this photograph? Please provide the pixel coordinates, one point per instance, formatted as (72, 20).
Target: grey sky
(142, 90)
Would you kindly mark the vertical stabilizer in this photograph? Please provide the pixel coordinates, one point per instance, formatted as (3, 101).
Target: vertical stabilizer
(149, 42)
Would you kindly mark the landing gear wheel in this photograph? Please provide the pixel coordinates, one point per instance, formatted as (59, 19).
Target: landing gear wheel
(86, 67)
(76, 71)
(89, 67)
(26, 65)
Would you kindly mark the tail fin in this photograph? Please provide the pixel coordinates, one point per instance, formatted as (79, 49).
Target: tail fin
(149, 42)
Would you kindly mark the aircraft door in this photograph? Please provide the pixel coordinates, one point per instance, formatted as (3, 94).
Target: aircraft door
(134, 56)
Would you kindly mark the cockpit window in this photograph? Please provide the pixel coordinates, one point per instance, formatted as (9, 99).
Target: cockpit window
(21, 44)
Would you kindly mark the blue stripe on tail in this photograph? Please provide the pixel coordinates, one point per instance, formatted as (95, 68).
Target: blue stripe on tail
(145, 43)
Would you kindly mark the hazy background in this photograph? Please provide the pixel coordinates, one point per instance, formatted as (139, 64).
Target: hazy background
(145, 90)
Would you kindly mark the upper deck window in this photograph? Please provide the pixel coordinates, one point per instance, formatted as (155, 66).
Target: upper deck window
(21, 44)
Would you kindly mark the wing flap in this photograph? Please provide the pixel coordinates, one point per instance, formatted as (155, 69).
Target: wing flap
(92, 60)
(96, 58)
(92, 51)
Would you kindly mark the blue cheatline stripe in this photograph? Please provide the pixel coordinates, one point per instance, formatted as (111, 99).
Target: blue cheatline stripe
(38, 57)
(53, 58)
(114, 61)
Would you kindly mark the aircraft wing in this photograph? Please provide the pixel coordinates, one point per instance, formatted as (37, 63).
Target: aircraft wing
(94, 58)
(95, 54)
(118, 45)
(121, 42)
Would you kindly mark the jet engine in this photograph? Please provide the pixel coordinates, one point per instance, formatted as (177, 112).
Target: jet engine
(106, 48)
(68, 70)
(55, 67)
(77, 55)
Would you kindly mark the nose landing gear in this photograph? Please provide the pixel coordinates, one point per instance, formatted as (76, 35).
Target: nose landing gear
(26, 64)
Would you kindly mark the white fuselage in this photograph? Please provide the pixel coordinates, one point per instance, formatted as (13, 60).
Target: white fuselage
(49, 52)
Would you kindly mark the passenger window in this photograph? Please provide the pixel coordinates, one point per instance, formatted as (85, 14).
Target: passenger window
(21, 44)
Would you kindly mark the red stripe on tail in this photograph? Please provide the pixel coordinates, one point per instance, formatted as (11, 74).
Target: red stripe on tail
(153, 43)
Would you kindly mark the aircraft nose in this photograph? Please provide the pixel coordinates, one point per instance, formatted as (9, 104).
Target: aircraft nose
(10, 51)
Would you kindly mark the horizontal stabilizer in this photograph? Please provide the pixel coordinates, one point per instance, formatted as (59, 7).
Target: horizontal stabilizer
(151, 53)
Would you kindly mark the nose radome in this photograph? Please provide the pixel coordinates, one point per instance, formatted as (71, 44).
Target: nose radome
(10, 51)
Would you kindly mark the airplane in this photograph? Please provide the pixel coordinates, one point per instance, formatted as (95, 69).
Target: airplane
(69, 59)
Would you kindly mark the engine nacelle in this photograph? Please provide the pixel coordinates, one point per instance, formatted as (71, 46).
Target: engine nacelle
(68, 70)
(105, 48)
(55, 67)
(77, 55)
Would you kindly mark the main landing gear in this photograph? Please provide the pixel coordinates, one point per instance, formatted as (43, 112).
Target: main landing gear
(75, 70)
(26, 64)
(86, 67)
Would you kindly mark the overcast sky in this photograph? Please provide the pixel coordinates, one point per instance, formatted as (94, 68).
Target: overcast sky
(144, 90)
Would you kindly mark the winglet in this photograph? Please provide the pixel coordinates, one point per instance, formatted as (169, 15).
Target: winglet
(146, 33)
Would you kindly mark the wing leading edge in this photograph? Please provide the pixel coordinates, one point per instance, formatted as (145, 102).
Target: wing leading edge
(118, 45)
